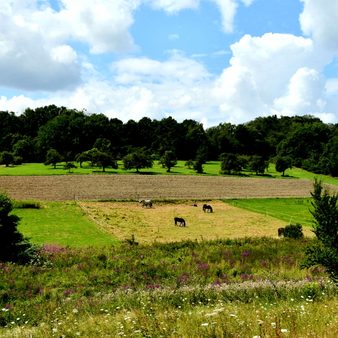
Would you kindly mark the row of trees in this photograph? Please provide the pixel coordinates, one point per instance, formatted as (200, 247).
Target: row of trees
(304, 142)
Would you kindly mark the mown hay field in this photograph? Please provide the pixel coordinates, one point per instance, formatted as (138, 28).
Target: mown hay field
(133, 187)
(156, 224)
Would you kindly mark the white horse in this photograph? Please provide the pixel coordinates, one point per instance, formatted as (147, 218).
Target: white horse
(146, 203)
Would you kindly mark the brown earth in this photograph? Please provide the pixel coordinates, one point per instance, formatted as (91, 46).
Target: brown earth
(134, 187)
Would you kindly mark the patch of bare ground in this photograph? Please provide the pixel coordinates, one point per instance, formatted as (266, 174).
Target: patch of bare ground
(156, 224)
(133, 187)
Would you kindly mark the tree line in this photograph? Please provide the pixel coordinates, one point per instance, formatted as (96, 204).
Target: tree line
(38, 135)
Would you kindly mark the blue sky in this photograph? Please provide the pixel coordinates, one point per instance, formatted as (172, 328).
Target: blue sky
(213, 61)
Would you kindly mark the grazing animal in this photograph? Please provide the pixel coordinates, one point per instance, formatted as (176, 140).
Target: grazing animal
(179, 221)
(132, 241)
(146, 203)
(281, 232)
(207, 208)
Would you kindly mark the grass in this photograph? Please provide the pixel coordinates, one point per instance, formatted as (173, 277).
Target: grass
(229, 288)
(210, 168)
(88, 223)
(61, 223)
(290, 210)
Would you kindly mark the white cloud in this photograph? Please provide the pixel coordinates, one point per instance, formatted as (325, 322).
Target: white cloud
(305, 94)
(228, 10)
(173, 6)
(319, 20)
(274, 73)
(177, 68)
(29, 61)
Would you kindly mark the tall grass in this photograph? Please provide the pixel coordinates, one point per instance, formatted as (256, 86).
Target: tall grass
(224, 288)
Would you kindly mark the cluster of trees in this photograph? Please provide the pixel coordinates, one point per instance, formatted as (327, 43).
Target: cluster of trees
(302, 141)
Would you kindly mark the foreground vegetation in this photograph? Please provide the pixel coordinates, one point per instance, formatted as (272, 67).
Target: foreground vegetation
(224, 288)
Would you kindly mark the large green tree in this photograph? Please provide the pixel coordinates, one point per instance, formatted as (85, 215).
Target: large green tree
(138, 159)
(325, 213)
(168, 160)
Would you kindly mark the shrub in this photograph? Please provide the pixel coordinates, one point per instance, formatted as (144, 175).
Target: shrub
(293, 231)
(325, 213)
(13, 246)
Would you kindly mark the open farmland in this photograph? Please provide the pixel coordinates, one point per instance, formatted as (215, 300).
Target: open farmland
(133, 187)
(156, 224)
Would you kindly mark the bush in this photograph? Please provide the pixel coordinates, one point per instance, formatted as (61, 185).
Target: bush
(325, 213)
(13, 246)
(293, 231)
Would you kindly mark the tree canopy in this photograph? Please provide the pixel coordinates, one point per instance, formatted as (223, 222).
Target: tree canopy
(305, 140)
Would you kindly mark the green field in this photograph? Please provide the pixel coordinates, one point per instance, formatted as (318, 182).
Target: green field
(210, 168)
(291, 210)
(61, 223)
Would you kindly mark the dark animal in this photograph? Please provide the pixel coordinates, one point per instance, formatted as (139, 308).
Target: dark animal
(146, 203)
(179, 221)
(132, 241)
(207, 208)
(281, 232)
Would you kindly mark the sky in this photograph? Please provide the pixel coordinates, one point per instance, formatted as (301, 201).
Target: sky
(213, 61)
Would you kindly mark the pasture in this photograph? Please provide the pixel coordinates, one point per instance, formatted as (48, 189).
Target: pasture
(156, 224)
(89, 223)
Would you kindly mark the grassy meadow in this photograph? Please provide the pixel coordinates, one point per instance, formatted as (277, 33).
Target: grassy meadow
(220, 288)
(210, 168)
(86, 223)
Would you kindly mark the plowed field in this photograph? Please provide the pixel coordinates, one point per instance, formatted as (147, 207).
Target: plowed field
(92, 187)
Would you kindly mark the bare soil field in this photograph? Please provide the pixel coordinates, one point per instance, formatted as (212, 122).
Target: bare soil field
(134, 187)
(156, 224)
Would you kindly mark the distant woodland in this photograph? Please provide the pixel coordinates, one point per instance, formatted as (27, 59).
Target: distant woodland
(302, 141)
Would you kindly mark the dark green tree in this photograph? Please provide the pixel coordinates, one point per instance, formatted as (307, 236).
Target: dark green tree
(69, 166)
(53, 157)
(13, 246)
(103, 144)
(168, 160)
(325, 213)
(231, 163)
(25, 148)
(258, 164)
(138, 159)
(6, 158)
(283, 163)
(103, 159)
(198, 166)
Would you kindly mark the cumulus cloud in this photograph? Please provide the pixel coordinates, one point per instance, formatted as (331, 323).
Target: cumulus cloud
(29, 61)
(305, 93)
(275, 74)
(319, 20)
